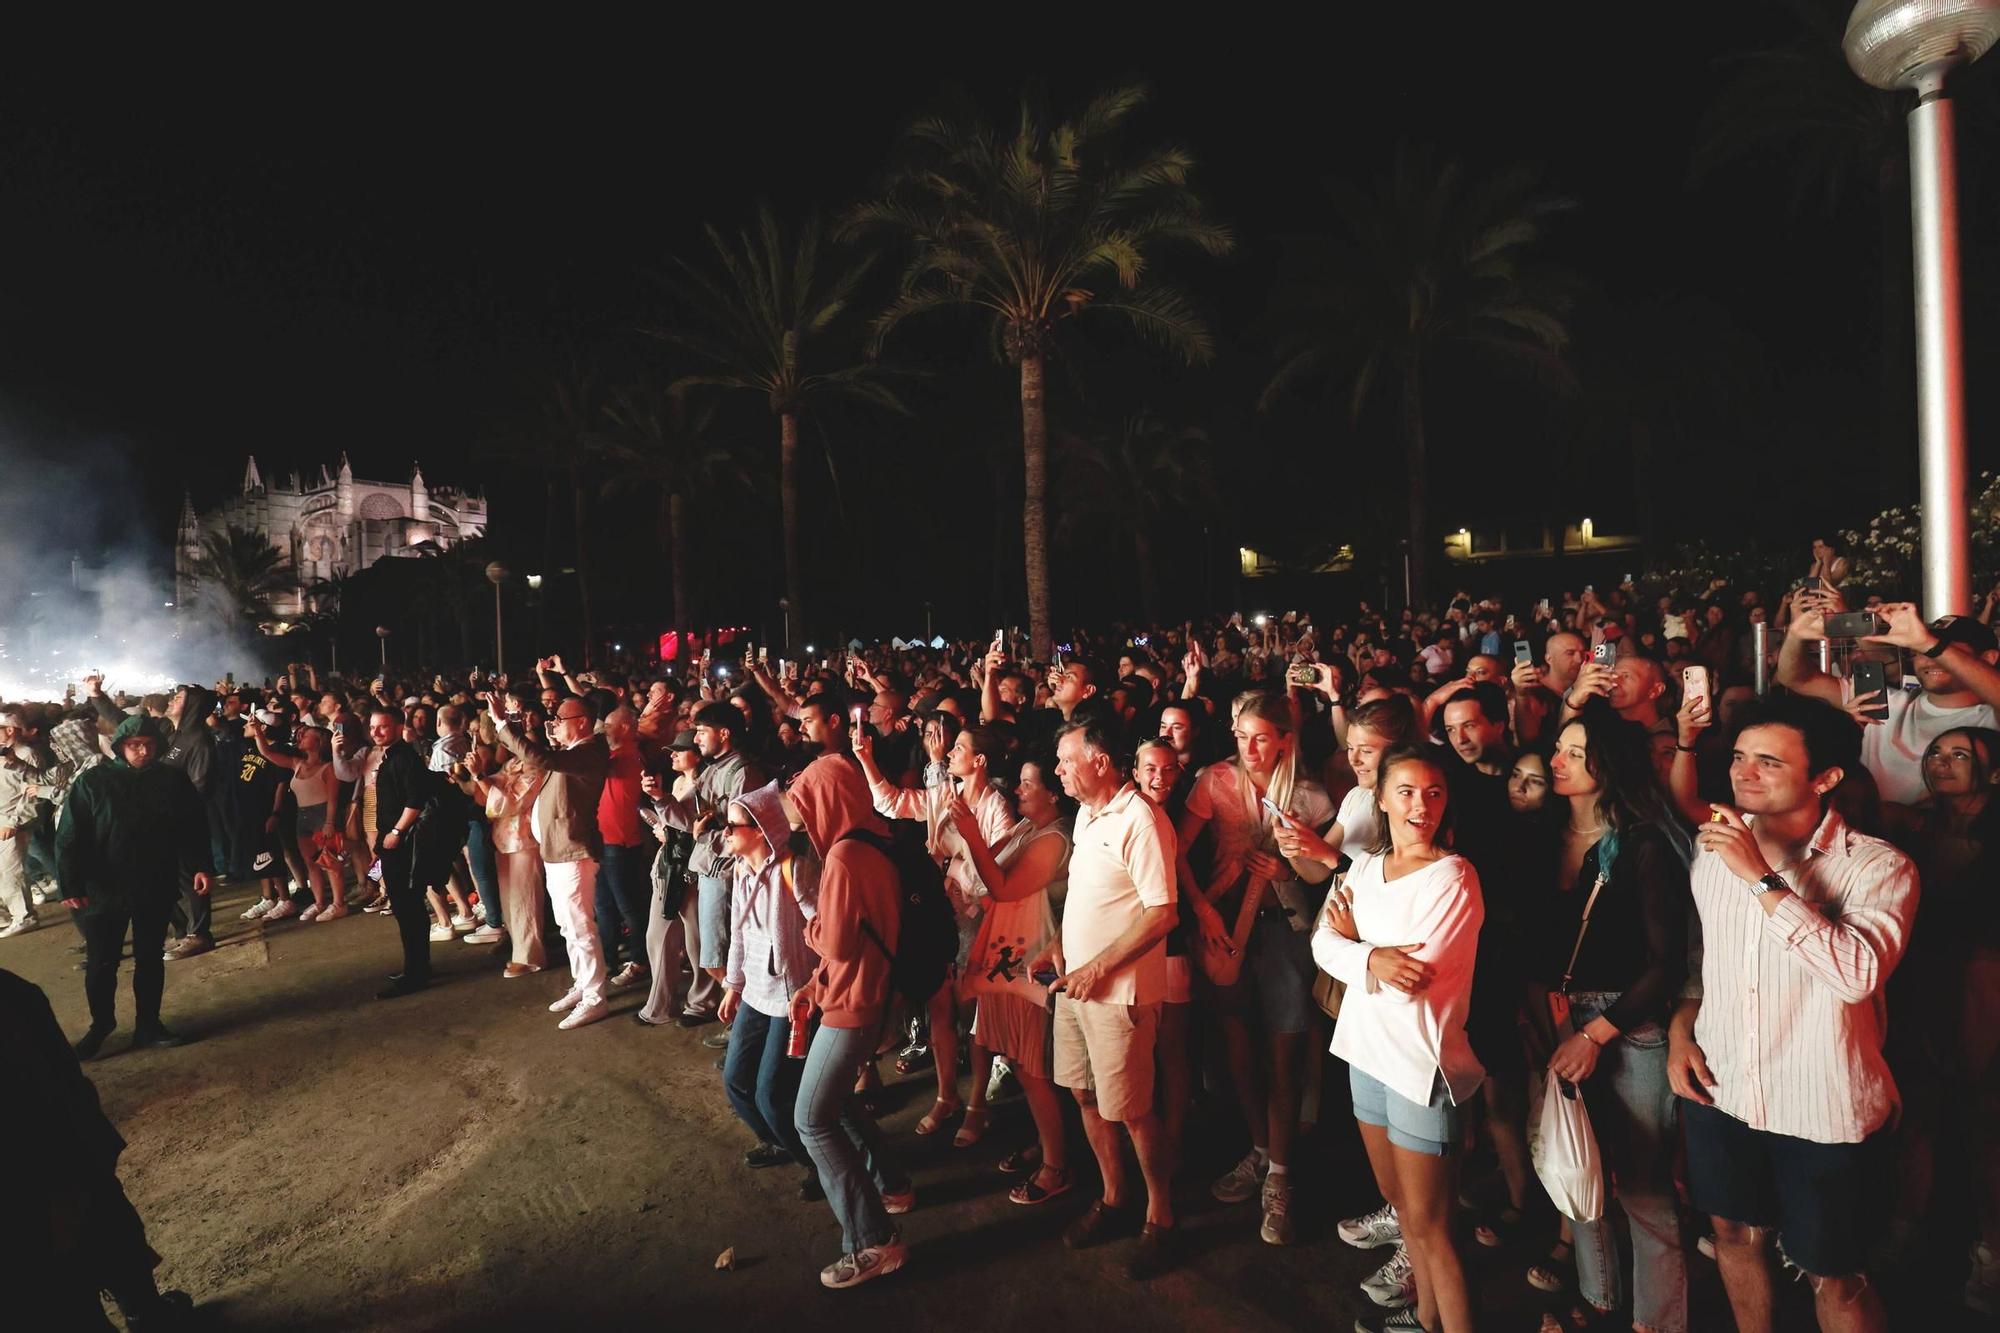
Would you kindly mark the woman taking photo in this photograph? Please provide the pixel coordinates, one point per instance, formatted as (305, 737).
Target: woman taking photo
(1615, 956)
(1014, 1017)
(1402, 1023)
(1257, 901)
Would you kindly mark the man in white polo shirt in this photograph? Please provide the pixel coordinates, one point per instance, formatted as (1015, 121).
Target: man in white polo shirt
(1112, 963)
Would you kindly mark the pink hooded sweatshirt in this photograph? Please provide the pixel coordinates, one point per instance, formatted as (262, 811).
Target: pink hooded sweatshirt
(857, 883)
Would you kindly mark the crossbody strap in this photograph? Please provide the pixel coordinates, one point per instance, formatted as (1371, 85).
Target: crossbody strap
(1569, 968)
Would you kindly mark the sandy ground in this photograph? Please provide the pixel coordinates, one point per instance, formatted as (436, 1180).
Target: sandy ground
(319, 1160)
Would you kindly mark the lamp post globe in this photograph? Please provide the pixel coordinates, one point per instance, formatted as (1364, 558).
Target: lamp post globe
(1914, 44)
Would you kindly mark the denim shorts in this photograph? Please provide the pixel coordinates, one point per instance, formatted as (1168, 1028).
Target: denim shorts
(1276, 981)
(1431, 1130)
(1814, 1195)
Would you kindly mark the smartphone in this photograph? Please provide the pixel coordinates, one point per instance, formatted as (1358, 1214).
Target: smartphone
(1605, 653)
(763, 656)
(858, 715)
(1276, 813)
(1303, 675)
(1524, 653)
(1870, 678)
(999, 641)
(1046, 977)
(1694, 683)
(1853, 625)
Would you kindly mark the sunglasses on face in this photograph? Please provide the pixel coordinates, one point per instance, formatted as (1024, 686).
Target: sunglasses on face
(733, 824)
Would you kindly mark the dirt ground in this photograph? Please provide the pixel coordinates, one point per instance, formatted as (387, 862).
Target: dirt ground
(318, 1160)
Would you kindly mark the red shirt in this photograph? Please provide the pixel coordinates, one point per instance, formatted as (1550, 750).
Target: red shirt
(618, 807)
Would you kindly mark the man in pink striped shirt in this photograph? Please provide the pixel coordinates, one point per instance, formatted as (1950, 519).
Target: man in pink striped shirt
(1778, 1047)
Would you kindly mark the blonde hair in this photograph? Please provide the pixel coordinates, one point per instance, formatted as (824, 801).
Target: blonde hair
(1275, 709)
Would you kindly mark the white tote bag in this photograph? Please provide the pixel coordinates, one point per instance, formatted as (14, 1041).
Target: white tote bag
(1564, 1151)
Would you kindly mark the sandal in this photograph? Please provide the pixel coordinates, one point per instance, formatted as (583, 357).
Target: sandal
(940, 1113)
(973, 1128)
(1031, 1191)
(1547, 1275)
(1022, 1160)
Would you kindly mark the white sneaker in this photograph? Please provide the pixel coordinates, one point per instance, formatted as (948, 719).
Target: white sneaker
(18, 926)
(1001, 1082)
(1276, 1228)
(463, 924)
(1394, 1284)
(257, 910)
(441, 934)
(1372, 1229)
(628, 976)
(333, 912)
(485, 935)
(280, 910)
(1242, 1182)
(568, 1001)
(585, 1013)
(851, 1270)
(310, 914)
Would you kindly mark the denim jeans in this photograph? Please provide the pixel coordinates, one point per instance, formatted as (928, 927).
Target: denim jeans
(479, 859)
(1632, 1115)
(843, 1140)
(713, 947)
(762, 1081)
(623, 889)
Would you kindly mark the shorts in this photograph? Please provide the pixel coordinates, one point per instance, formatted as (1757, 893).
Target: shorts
(1180, 979)
(1276, 979)
(1814, 1195)
(312, 818)
(1107, 1049)
(1431, 1130)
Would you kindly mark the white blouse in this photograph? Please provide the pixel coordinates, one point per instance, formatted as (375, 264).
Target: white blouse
(1404, 1041)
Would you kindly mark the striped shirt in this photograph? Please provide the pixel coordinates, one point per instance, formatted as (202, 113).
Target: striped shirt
(1792, 1016)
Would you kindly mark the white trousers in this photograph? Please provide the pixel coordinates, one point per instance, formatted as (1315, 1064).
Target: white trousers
(521, 903)
(573, 894)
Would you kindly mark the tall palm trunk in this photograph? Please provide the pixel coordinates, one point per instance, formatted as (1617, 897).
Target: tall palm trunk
(582, 562)
(788, 493)
(1419, 480)
(677, 553)
(1035, 503)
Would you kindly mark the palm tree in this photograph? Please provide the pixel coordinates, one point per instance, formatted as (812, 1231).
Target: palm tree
(239, 576)
(770, 317)
(572, 412)
(659, 438)
(1032, 226)
(1429, 259)
(1134, 478)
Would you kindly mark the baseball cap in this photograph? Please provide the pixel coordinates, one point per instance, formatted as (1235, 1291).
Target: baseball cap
(1964, 629)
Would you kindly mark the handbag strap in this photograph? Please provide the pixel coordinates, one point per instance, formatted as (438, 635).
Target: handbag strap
(1603, 875)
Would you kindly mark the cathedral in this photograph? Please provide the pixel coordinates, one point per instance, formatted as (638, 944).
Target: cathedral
(330, 525)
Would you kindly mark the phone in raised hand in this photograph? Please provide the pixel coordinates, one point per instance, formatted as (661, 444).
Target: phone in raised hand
(1276, 813)
(1694, 683)
(999, 641)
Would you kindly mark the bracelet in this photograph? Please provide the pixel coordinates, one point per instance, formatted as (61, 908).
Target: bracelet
(1936, 648)
(1585, 1034)
(1684, 749)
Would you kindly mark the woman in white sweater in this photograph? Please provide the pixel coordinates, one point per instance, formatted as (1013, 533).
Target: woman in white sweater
(1402, 932)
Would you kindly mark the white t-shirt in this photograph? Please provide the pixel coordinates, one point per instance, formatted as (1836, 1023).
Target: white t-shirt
(1358, 821)
(1894, 750)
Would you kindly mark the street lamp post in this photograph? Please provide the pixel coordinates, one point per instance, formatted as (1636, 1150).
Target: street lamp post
(382, 633)
(785, 609)
(496, 574)
(1914, 44)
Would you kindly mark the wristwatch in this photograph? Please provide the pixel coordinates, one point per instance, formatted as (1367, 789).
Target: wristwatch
(1771, 883)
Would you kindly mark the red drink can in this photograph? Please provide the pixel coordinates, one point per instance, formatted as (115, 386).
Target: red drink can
(801, 1034)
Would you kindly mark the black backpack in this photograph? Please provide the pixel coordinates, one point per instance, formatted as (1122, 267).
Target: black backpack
(927, 937)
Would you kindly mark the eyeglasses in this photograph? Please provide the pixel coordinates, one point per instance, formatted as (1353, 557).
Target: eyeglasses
(571, 717)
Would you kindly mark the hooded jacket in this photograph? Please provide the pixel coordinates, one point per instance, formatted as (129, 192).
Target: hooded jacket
(191, 748)
(857, 883)
(127, 833)
(768, 957)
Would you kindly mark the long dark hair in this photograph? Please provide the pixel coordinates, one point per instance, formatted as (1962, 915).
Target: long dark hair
(1629, 794)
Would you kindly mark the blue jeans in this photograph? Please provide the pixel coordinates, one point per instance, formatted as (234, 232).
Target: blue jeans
(485, 869)
(1632, 1114)
(762, 1081)
(843, 1140)
(714, 909)
(624, 891)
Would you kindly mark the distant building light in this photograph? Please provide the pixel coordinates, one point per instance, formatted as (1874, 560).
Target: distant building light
(534, 580)
(167, 604)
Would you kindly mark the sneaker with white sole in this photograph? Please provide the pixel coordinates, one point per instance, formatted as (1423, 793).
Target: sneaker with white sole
(464, 924)
(629, 976)
(1372, 1229)
(1241, 1182)
(585, 1013)
(280, 910)
(1982, 1284)
(257, 910)
(333, 912)
(1394, 1284)
(1395, 1321)
(20, 925)
(1277, 1206)
(568, 1001)
(851, 1270)
(310, 914)
(485, 935)
(441, 933)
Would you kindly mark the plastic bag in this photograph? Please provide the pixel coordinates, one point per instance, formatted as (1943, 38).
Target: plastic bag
(1564, 1151)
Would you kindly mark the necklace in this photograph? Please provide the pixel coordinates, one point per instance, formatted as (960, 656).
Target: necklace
(1587, 832)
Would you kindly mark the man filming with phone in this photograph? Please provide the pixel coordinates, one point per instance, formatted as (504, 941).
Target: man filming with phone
(1955, 662)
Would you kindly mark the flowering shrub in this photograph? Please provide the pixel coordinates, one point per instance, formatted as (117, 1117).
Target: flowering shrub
(1886, 556)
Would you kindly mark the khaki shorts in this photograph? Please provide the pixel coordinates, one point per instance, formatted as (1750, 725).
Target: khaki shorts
(1107, 1049)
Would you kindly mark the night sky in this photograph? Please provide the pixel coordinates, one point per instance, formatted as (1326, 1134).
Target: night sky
(392, 248)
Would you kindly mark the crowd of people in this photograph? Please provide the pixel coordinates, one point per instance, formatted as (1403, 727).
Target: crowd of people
(1599, 839)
